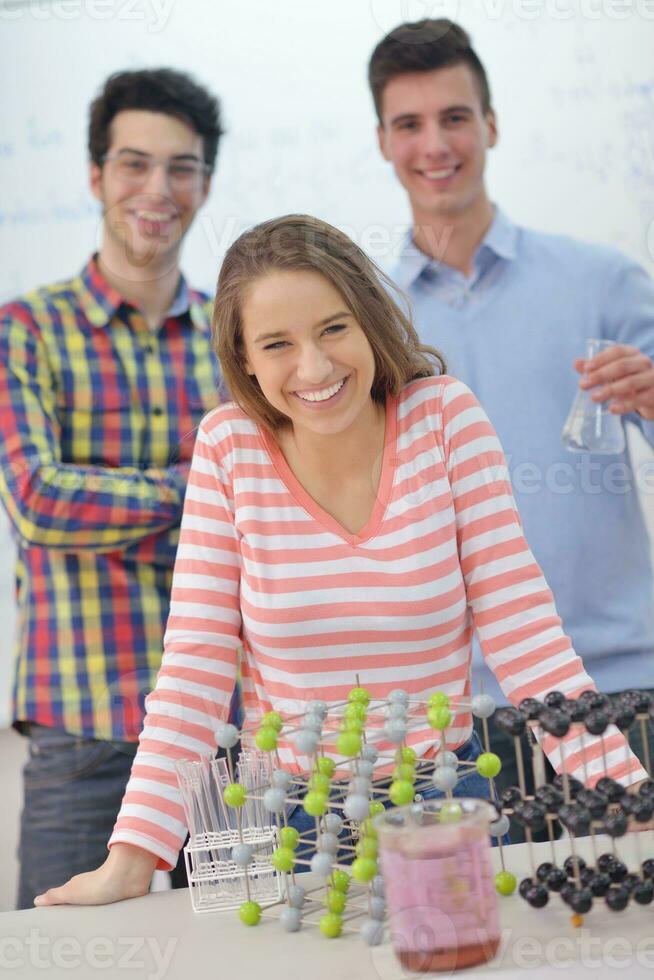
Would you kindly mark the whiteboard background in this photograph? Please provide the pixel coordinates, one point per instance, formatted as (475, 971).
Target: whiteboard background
(572, 83)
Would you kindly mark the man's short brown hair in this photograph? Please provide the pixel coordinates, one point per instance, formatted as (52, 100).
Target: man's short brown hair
(423, 46)
(163, 90)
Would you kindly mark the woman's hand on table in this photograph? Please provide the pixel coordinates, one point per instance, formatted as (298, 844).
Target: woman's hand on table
(126, 873)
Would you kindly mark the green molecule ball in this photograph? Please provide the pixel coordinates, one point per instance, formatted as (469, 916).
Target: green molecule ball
(289, 837)
(234, 795)
(359, 695)
(272, 719)
(250, 913)
(335, 901)
(367, 828)
(451, 812)
(488, 765)
(505, 883)
(320, 782)
(348, 743)
(325, 766)
(364, 869)
(266, 739)
(331, 925)
(438, 699)
(404, 771)
(341, 881)
(355, 710)
(401, 792)
(439, 718)
(283, 858)
(314, 803)
(367, 847)
(406, 755)
(376, 807)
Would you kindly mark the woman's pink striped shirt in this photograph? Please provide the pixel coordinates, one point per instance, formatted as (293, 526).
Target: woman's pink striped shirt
(262, 568)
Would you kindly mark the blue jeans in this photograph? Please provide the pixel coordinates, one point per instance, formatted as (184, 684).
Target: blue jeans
(472, 785)
(73, 787)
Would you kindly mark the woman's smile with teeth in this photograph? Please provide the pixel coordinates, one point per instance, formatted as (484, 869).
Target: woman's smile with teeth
(323, 394)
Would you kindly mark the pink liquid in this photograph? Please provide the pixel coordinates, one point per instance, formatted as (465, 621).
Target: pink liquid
(442, 903)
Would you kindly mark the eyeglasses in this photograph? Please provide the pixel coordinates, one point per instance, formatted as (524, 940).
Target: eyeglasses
(133, 168)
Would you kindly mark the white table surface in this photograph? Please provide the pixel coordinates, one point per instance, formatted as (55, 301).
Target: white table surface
(159, 937)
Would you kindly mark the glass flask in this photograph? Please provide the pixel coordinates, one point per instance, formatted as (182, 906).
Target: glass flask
(591, 427)
(439, 884)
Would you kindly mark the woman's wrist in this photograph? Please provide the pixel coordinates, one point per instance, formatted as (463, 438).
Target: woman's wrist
(134, 863)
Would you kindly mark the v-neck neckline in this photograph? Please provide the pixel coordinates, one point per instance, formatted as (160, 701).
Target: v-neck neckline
(319, 514)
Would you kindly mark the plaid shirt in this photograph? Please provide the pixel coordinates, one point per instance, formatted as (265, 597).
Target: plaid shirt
(98, 423)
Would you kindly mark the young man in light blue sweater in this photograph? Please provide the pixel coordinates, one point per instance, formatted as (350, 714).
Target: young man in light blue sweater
(511, 310)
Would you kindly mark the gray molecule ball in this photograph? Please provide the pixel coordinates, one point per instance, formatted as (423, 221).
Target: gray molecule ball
(365, 768)
(327, 842)
(377, 907)
(242, 854)
(306, 741)
(333, 823)
(317, 707)
(321, 863)
(359, 785)
(372, 932)
(274, 799)
(398, 696)
(313, 722)
(357, 806)
(395, 730)
(369, 753)
(447, 758)
(396, 710)
(296, 895)
(291, 919)
(500, 827)
(226, 736)
(280, 779)
(377, 886)
(482, 705)
(444, 778)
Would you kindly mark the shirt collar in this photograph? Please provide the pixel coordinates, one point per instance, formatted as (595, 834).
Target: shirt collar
(501, 239)
(101, 302)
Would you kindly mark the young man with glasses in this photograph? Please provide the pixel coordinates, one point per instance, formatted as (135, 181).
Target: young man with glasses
(103, 380)
(511, 308)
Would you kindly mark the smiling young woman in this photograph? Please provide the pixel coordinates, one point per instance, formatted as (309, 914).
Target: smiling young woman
(349, 513)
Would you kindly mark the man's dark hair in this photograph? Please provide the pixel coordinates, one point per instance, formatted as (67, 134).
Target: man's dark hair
(155, 90)
(423, 46)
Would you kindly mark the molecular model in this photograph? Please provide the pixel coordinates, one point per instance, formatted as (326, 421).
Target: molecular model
(580, 811)
(243, 853)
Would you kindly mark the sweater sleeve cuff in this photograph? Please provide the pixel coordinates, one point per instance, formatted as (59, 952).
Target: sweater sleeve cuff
(167, 858)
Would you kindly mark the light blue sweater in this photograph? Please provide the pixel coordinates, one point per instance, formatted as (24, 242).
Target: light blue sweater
(511, 331)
